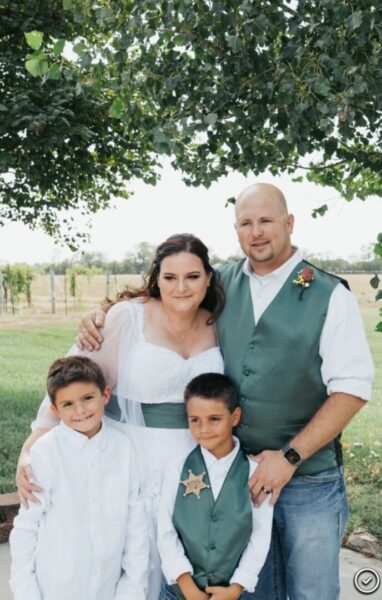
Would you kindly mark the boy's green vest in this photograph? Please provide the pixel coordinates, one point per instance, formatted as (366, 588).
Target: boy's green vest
(276, 364)
(214, 534)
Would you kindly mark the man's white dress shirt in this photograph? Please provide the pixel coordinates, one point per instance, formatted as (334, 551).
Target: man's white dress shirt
(347, 365)
(87, 540)
(173, 557)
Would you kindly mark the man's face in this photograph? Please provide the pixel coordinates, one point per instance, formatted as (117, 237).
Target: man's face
(264, 228)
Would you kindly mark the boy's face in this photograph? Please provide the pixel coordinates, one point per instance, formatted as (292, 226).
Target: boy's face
(211, 424)
(81, 406)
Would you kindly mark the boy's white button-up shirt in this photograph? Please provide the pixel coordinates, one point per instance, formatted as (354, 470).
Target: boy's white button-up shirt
(173, 557)
(88, 539)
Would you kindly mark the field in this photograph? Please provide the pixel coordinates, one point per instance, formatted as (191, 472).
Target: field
(31, 340)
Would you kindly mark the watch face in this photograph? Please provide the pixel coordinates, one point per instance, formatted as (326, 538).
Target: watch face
(292, 456)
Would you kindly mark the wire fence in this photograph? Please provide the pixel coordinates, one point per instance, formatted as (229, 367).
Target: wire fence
(54, 294)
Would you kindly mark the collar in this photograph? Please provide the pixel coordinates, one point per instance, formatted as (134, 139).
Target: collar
(79, 440)
(227, 460)
(281, 274)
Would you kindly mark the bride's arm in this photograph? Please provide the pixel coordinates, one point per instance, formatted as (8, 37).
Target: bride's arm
(117, 322)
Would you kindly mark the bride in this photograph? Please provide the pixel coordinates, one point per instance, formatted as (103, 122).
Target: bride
(156, 339)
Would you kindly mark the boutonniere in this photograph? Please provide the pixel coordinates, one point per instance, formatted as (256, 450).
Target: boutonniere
(304, 279)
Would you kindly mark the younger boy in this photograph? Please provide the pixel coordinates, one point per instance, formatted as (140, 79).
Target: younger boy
(212, 540)
(87, 539)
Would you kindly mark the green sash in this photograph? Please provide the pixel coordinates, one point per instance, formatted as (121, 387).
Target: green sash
(166, 415)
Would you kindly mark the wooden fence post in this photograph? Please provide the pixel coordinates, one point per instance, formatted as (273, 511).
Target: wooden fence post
(52, 291)
(107, 284)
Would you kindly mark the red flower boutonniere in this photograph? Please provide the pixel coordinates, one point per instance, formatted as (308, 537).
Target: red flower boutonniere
(304, 279)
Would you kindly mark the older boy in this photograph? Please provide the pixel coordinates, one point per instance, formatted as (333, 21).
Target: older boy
(87, 538)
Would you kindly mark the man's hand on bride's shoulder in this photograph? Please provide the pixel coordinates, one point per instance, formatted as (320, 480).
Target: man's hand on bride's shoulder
(88, 336)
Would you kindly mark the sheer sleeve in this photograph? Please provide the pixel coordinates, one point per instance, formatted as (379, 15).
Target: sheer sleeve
(117, 327)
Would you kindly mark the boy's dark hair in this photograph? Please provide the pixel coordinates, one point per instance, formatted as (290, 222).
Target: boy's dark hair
(72, 369)
(213, 386)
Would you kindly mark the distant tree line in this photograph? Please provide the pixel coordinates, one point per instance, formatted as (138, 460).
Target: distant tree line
(340, 265)
(139, 260)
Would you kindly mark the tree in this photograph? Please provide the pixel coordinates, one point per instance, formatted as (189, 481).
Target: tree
(140, 259)
(248, 85)
(17, 279)
(216, 85)
(59, 147)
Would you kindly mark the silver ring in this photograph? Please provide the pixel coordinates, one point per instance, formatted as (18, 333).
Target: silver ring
(265, 490)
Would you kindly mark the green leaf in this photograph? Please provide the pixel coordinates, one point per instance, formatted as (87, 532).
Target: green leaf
(79, 48)
(378, 295)
(233, 42)
(320, 211)
(211, 119)
(36, 67)
(54, 72)
(34, 39)
(231, 200)
(116, 108)
(58, 48)
(378, 249)
(374, 281)
(354, 21)
(67, 4)
(379, 327)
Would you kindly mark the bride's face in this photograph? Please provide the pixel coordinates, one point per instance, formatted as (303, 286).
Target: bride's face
(182, 281)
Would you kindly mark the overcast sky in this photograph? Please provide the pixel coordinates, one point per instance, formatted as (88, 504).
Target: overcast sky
(153, 213)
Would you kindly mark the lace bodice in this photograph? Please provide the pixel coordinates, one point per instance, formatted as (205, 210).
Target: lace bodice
(156, 374)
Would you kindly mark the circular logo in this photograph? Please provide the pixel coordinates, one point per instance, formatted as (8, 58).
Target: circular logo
(367, 581)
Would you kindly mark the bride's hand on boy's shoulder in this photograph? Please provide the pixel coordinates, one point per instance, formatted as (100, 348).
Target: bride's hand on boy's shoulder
(24, 481)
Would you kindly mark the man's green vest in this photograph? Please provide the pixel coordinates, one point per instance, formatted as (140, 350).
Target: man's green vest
(276, 364)
(213, 533)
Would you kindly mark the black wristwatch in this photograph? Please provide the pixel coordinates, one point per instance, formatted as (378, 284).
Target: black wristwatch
(291, 455)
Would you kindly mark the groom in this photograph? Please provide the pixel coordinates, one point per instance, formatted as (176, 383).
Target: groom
(294, 344)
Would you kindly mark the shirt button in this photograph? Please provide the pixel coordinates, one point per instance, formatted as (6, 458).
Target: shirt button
(212, 547)
(214, 518)
(251, 345)
(246, 372)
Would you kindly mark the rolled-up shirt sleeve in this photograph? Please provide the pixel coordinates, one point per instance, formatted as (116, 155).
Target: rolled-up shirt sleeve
(347, 365)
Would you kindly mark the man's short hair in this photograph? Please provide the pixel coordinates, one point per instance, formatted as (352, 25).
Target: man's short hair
(72, 369)
(213, 386)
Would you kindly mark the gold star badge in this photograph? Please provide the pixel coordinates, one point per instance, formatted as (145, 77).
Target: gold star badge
(194, 484)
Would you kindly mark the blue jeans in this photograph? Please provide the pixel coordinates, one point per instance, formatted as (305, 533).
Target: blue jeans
(308, 525)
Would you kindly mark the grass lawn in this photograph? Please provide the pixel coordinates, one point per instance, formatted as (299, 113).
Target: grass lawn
(362, 442)
(25, 355)
(27, 350)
